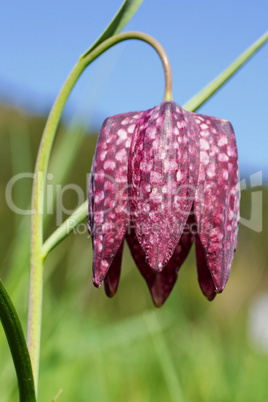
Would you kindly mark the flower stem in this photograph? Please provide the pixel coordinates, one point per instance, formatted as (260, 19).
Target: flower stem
(18, 347)
(37, 257)
(151, 41)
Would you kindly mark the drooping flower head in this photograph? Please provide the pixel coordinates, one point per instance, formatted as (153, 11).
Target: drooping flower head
(163, 179)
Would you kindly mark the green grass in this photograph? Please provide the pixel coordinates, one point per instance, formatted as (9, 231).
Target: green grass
(123, 349)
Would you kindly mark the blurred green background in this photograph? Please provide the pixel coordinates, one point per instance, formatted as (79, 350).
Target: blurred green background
(124, 349)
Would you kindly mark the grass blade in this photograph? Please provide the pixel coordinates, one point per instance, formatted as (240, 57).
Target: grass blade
(124, 14)
(165, 359)
(198, 100)
(17, 344)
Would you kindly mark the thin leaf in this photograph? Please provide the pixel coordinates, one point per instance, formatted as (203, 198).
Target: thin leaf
(17, 345)
(198, 100)
(66, 228)
(165, 358)
(124, 14)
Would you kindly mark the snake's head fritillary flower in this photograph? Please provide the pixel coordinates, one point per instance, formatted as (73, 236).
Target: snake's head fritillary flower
(163, 179)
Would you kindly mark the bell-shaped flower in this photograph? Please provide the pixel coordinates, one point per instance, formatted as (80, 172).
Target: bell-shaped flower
(163, 179)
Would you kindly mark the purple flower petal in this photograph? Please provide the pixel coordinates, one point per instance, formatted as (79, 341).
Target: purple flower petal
(161, 283)
(160, 170)
(112, 277)
(163, 173)
(108, 192)
(204, 276)
(217, 198)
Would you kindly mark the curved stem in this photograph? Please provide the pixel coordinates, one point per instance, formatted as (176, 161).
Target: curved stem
(151, 41)
(37, 260)
(18, 347)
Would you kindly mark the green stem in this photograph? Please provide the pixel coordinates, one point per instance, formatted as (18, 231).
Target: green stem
(107, 44)
(65, 229)
(18, 347)
(37, 259)
(80, 214)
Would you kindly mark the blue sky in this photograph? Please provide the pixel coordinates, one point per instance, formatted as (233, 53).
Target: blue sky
(41, 41)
